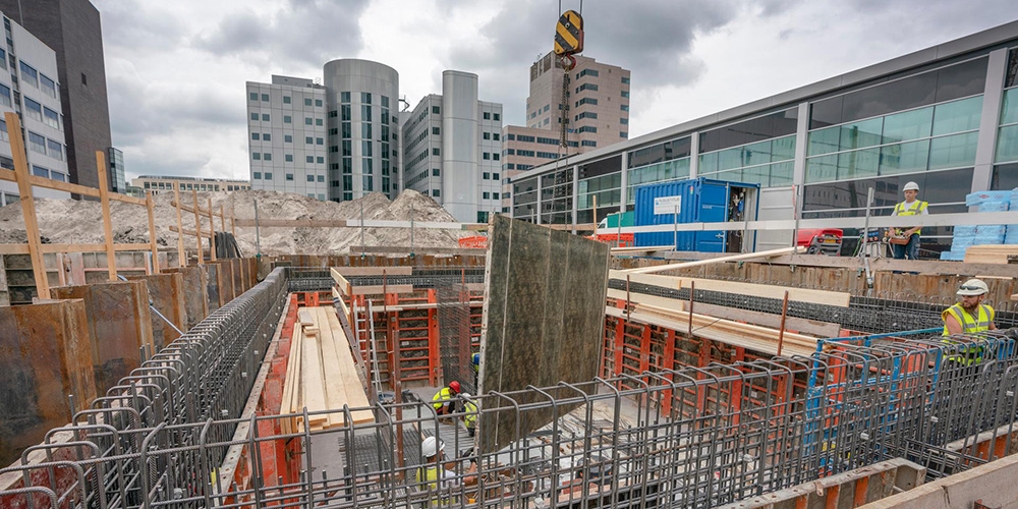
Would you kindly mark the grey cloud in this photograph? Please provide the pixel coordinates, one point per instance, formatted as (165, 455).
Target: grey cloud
(303, 31)
(137, 24)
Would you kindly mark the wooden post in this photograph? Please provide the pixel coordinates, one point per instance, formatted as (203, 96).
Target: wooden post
(27, 204)
(152, 231)
(104, 197)
(197, 226)
(181, 256)
(781, 329)
(222, 216)
(212, 230)
(233, 224)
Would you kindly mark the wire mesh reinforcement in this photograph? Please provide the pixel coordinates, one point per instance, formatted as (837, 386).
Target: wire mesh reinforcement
(729, 432)
(454, 334)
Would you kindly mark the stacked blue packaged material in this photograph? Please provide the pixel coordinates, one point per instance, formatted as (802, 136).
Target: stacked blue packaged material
(984, 234)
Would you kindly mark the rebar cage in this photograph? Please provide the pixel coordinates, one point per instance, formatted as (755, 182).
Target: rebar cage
(729, 432)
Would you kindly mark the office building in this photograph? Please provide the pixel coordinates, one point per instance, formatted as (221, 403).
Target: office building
(596, 113)
(164, 184)
(452, 146)
(286, 136)
(945, 117)
(336, 141)
(35, 96)
(73, 29)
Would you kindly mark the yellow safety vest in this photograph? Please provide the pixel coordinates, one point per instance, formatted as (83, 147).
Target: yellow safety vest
(904, 209)
(428, 477)
(470, 419)
(969, 325)
(441, 398)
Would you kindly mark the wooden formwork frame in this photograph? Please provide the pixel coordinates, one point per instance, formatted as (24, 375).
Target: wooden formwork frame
(34, 247)
(198, 233)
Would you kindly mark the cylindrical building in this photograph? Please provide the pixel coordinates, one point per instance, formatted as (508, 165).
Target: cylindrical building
(361, 128)
(460, 189)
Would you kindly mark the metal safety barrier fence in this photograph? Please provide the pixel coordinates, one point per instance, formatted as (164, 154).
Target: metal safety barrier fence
(731, 432)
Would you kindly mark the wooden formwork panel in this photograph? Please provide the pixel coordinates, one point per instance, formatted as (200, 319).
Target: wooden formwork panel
(45, 355)
(196, 302)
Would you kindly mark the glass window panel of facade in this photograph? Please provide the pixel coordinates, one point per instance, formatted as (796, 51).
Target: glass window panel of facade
(824, 141)
(957, 116)
(1007, 144)
(822, 169)
(1009, 107)
(781, 173)
(904, 157)
(908, 125)
(1005, 176)
(953, 151)
(861, 134)
(860, 163)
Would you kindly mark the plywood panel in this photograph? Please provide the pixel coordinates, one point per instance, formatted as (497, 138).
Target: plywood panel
(544, 301)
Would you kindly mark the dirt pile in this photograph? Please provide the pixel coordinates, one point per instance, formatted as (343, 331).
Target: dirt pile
(70, 221)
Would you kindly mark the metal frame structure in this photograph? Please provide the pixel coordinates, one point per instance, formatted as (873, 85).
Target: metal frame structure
(159, 438)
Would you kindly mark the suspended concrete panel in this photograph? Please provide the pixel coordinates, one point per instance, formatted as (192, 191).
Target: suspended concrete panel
(543, 319)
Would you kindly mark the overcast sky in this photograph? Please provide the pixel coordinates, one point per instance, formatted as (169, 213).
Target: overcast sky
(176, 70)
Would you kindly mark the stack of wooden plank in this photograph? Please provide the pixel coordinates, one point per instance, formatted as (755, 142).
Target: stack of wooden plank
(997, 253)
(321, 375)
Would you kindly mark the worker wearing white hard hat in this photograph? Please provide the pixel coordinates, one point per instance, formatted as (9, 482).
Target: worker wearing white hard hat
(968, 316)
(905, 242)
(436, 476)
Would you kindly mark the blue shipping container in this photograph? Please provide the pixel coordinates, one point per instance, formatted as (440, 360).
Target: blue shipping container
(697, 200)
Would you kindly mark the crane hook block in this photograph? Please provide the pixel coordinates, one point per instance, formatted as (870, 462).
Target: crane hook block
(569, 34)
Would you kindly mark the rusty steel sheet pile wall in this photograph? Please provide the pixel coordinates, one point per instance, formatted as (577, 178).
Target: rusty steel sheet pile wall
(45, 355)
(543, 317)
(119, 324)
(166, 292)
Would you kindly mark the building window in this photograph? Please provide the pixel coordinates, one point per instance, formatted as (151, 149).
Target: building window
(309, 159)
(436, 193)
(487, 136)
(321, 178)
(586, 86)
(588, 143)
(286, 99)
(486, 156)
(288, 158)
(588, 72)
(29, 74)
(308, 121)
(586, 114)
(487, 115)
(257, 156)
(625, 93)
(268, 175)
(318, 103)
(311, 178)
(344, 97)
(366, 97)
(266, 137)
(366, 112)
(485, 176)
(265, 117)
(435, 152)
(624, 134)
(265, 97)
(307, 102)
(287, 119)
(320, 159)
(84, 79)
(289, 176)
(255, 136)
(436, 131)
(319, 141)
(39, 171)
(256, 175)
(495, 156)
(435, 172)
(254, 116)
(5, 95)
(309, 140)
(587, 129)
(287, 138)
(494, 195)
(625, 80)
(486, 195)
(254, 96)
(435, 110)
(496, 117)
(56, 149)
(366, 130)
(318, 121)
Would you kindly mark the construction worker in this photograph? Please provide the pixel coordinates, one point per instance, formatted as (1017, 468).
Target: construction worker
(910, 207)
(443, 401)
(475, 361)
(969, 316)
(470, 414)
(433, 474)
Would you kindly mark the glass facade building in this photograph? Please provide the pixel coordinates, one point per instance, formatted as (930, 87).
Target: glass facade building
(944, 117)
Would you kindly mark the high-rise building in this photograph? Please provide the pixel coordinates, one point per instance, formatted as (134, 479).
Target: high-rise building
(286, 136)
(73, 30)
(336, 141)
(592, 109)
(452, 146)
(363, 98)
(34, 94)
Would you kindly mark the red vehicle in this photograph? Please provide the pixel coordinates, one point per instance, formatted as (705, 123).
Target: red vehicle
(820, 240)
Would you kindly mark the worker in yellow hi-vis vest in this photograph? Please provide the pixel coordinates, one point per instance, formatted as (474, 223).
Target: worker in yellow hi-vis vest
(436, 475)
(910, 207)
(969, 316)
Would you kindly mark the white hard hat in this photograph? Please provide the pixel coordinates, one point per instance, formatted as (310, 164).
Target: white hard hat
(973, 287)
(911, 186)
(431, 446)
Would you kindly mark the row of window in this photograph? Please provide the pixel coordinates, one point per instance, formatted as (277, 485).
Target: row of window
(287, 99)
(287, 119)
(488, 156)
(196, 187)
(40, 144)
(39, 171)
(267, 156)
(37, 79)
